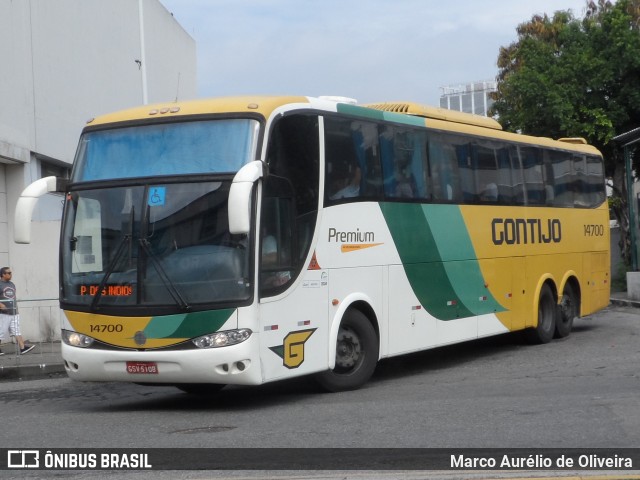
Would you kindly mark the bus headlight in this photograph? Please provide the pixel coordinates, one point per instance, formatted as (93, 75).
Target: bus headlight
(222, 339)
(76, 339)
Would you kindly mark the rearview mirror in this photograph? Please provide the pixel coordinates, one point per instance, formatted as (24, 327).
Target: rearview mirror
(27, 202)
(239, 206)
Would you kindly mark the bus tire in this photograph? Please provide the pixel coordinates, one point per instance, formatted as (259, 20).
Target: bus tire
(200, 388)
(547, 312)
(567, 312)
(357, 351)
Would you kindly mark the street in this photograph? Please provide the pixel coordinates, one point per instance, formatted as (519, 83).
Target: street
(499, 392)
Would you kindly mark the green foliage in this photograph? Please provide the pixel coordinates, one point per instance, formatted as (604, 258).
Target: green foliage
(570, 77)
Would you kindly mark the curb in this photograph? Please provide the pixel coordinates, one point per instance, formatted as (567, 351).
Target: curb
(31, 372)
(624, 302)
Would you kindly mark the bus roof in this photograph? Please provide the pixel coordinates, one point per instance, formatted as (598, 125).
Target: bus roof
(411, 108)
(264, 105)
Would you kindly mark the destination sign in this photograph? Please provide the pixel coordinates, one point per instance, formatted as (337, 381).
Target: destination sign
(107, 290)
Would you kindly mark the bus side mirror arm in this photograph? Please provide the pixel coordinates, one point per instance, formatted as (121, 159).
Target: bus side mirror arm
(239, 205)
(27, 202)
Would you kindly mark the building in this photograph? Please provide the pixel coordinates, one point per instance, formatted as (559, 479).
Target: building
(470, 98)
(62, 63)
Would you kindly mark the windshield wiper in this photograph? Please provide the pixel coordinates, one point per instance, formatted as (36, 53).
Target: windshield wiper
(173, 290)
(126, 240)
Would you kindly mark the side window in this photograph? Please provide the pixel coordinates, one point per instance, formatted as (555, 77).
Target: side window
(353, 170)
(404, 163)
(444, 168)
(290, 198)
(533, 175)
(486, 170)
(507, 177)
(580, 188)
(562, 178)
(517, 177)
(466, 172)
(595, 181)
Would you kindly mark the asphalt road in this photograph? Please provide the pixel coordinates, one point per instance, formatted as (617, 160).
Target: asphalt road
(579, 392)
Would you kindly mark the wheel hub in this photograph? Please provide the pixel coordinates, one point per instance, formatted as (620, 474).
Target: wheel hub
(348, 349)
(566, 306)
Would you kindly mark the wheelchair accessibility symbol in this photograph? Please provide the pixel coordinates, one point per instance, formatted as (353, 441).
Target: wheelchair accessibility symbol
(157, 196)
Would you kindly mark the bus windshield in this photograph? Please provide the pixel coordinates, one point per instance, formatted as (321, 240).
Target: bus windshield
(195, 147)
(162, 244)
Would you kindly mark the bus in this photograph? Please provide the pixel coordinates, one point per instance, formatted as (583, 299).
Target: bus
(248, 240)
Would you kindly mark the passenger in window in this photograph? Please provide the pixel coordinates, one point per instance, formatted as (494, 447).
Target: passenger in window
(490, 193)
(349, 186)
(404, 184)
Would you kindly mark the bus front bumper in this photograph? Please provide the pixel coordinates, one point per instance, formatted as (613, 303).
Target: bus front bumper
(233, 365)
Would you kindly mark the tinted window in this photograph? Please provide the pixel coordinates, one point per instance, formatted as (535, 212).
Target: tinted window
(404, 163)
(443, 164)
(353, 170)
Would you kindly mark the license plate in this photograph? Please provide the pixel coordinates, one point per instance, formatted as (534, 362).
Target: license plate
(142, 367)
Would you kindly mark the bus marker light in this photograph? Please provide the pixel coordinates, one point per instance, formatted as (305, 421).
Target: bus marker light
(417, 307)
(335, 302)
(269, 328)
(451, 303)
(304, 322)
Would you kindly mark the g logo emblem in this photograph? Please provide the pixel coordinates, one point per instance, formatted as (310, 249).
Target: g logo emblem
(292, 349)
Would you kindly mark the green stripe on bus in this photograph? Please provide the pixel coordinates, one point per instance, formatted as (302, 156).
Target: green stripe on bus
(372, 114)
(440, 262)
(187, 325)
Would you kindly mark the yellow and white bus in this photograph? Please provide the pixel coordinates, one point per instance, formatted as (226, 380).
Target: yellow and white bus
(248, 240)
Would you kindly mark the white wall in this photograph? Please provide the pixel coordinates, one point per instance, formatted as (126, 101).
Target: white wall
(63, 62)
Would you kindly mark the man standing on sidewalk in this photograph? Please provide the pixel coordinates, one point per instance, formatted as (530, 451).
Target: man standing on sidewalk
(9, 318)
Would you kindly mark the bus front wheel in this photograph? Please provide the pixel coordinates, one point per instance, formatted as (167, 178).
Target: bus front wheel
(544, 331)
(357, 351)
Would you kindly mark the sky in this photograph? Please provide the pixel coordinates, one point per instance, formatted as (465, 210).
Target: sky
(370, 50)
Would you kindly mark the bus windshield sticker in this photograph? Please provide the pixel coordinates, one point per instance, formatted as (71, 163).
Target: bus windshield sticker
(157, 196)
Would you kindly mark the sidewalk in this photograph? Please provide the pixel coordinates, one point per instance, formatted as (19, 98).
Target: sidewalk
(621, 299)
(44, 361)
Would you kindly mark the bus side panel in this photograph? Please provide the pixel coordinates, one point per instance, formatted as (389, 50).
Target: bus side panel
(596, 292)
(498, 276)
(294, 329)
(411, 327)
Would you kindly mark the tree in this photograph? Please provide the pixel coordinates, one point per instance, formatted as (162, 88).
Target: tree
(571, 77)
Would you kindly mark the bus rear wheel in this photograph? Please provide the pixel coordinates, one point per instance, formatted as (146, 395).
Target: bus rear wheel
(200, 388)
(568, 311)
(357, 351)
(544, 331)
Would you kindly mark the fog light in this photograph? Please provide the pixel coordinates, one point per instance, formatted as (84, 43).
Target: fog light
(76, 339)
(222, 339)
